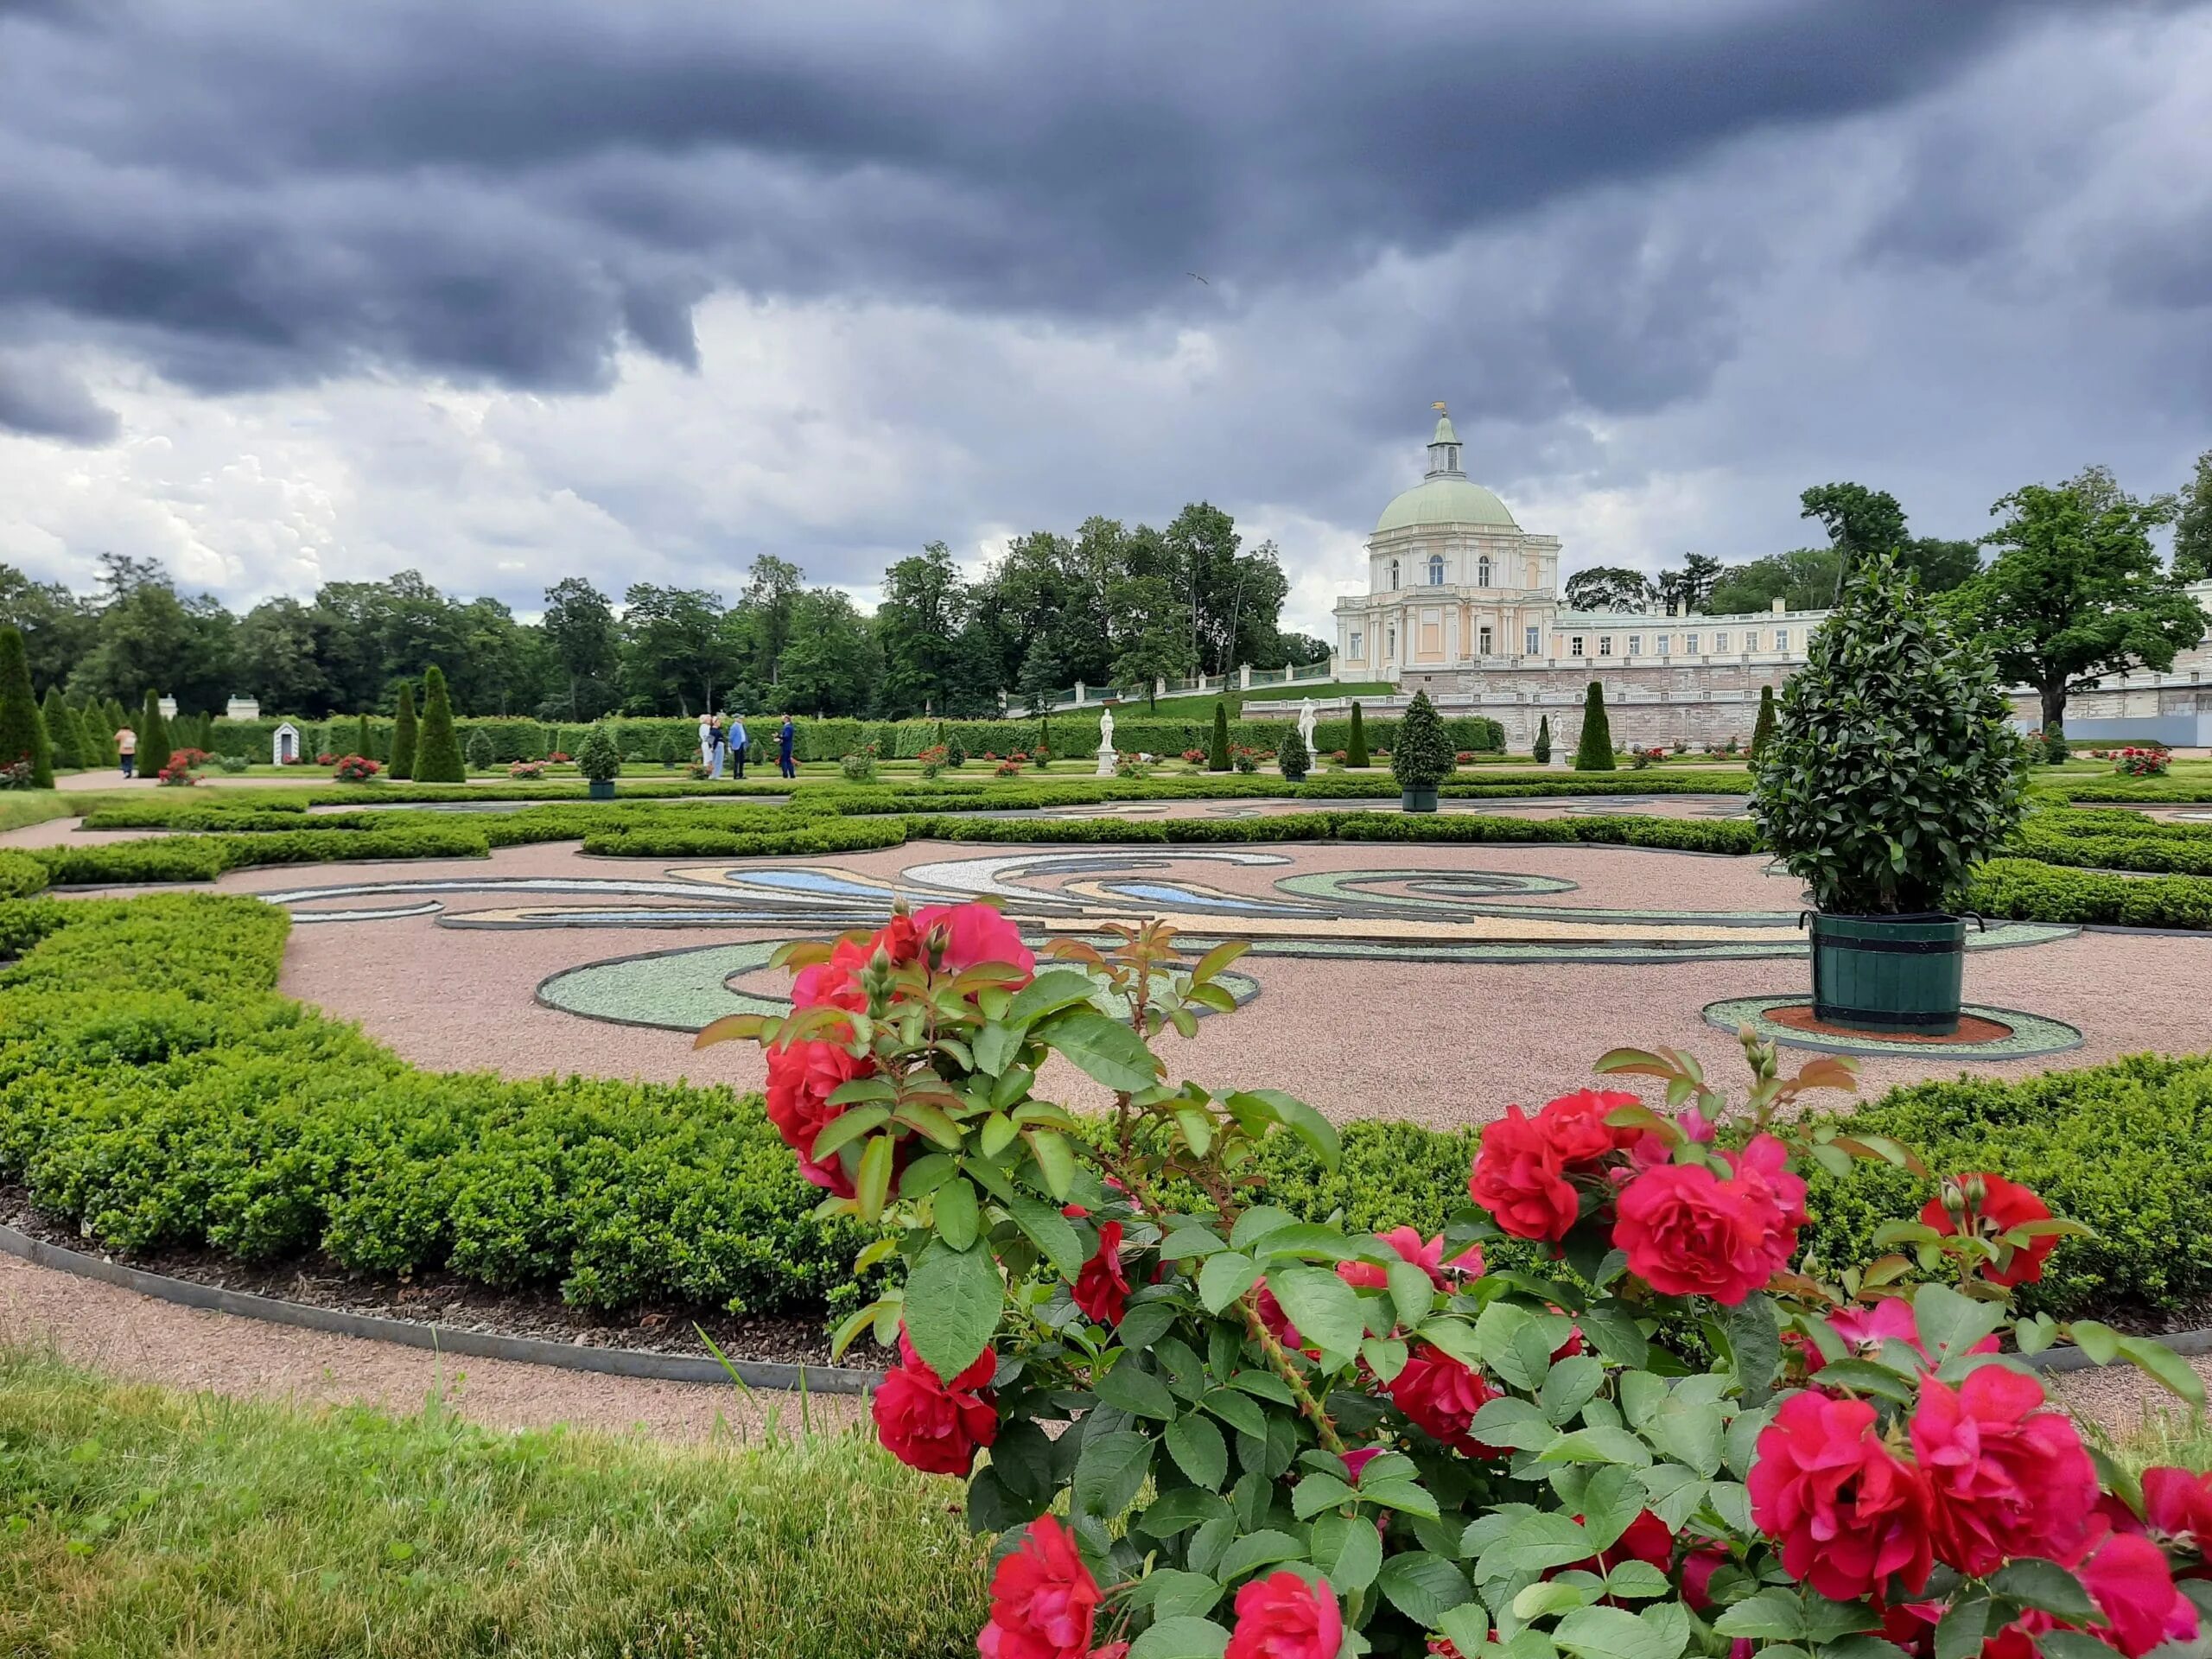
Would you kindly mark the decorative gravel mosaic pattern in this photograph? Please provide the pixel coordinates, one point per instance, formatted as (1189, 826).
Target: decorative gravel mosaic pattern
(2030, 1035)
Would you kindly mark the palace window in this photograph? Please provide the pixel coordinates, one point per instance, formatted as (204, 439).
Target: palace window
(1390, 646)
(1720, 642)
(1635, 644)
(1482, 571)
(1482, 642)
(1394, 574)
(1689, 643)
(1665, 640)
(1532, 641)
(1358, 644)
(1605, 644)
(1782, 639)
(1436, 569)
(1575, 645)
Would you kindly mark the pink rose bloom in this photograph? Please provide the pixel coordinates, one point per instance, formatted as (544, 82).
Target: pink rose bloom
(1865, 1329)
(1441, 1397)
(837, 981)
(931, 1425)
(1689, 1233)
(801, 1079)
(1284, 1616)
(975, 934)
(2007, 1476)
(1428, 1257)
(2179, 1504)
(2127, 1577)
(1847, 1513)
(1575, 1125)
(1043, 1601)
(1357, 1461)
(1518, 1178)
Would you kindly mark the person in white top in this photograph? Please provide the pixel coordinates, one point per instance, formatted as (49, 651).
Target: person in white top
(126, 747)
(707, 741)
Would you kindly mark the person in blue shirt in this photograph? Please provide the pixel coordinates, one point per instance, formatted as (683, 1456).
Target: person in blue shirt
(786, 735)
(737, 743)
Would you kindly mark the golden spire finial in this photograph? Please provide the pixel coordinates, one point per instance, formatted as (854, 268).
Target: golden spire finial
(1439, 408)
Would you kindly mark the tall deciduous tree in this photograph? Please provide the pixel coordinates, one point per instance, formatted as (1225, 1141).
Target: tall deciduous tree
(2193, 528)
(1610, 587)
(579, 626)
(925, 610)
(1804, 579)
(1041, 679)
(1688, 588)
(674, 655)
(2075, 591)
(829, 662)
(1863, 524)
(1150, 641)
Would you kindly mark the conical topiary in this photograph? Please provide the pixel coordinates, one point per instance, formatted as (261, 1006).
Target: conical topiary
(1355, 751)
(1543, 746)
(1291, 756)
(1762, 728)
(483, 756)
(1218, 746)
(153, 737)
(1594, 751)
(61, 732)
(1421, 755)
(437, 750)
(22, 733)
(91, 749)
(403, 733)
(362, 744)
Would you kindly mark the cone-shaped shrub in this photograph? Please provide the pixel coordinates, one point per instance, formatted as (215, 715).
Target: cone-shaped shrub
(481, 753)
(437, 751)
(1355, 751)
(1595, 753)
(1218, 746)
(405, 735)
(1543, 746)
(61, 732)
(1762, 728)
(154, 742)
(1291, 756)
(1422, 756)
(22, 733)
(362, 744)
(92, 748)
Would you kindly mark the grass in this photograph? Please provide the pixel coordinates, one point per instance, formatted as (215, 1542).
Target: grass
(140, 1521)
(21, 807)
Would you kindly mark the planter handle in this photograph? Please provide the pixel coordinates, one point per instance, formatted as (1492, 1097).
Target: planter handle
(1977, 918)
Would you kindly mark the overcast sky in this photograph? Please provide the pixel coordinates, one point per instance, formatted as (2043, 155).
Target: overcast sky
(515, 289)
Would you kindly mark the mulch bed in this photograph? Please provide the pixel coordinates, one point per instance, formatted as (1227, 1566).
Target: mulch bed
(452, 1303)
(1973, 1028)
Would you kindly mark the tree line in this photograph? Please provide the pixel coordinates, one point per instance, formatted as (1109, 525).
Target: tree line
(1110, 605)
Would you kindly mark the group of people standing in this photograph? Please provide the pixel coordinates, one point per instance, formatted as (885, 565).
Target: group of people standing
(723, 738)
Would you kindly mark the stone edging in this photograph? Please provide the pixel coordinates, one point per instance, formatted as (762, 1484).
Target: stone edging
(532, 1350)
(617, 1362)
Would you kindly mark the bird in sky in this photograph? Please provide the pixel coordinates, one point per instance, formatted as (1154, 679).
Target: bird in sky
(1195, 277)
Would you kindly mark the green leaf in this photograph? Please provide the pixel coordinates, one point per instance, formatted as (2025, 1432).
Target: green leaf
(1385, 1357)
(1411, 1293)
(1510, 1420)
(1949, 1324)
(1054, 988)
(1406, 1496)
(1179, 1510)
(1301, 1119)
(993, 1046)
(951, 1308)
(1181, 1639)
(2072, 1645)
(1962, 1630)
(957, 1214)
(1756, 1339)
(1548, 1596)
(1129, 1388)
(1611, 1502)
(1466, 1627)
(1238, 1411)
(1318, 1492)
(1661, 1633)
(1597, 1446)
(1198, 1450)
(1224, 1278)
(2165, 1366)
(1689, 1431)
(1256, 1549)
(1772, 1615)
(1348, 1549)
(848, 1126)
(1533, 1543)
(1256, 1224)
(1189, 1240)
(1326, 1310)
(1105, 1049)
(1571, 1385)
(1173, 1593)
(1055, 1161)
(1110, 1471)
(872, 1186)
(1636, 1580)
(2036, 1583)
(1422, 1586)
(1049, 1231)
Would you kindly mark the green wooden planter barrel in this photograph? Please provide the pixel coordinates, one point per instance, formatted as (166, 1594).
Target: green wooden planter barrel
(1889, 973)
(1417, 800)
(602, 789)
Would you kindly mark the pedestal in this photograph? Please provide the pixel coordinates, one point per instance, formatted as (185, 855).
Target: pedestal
(1105, 764)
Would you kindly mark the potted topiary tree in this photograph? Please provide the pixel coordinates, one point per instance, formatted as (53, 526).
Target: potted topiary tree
(1893, 770)
(1421, 755)
(600, 760)
(1291, 756)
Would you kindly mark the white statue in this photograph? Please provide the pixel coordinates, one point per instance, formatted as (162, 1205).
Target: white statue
(1306, 724)
(1105, 743)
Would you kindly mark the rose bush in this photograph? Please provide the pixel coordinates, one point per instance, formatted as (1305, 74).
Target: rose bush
(1202, 1427)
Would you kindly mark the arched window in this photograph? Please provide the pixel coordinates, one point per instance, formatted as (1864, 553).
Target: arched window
(1394, 573)
(1482, 571)
(1436, 569)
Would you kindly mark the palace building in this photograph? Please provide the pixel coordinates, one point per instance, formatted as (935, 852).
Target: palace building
(1465, 604)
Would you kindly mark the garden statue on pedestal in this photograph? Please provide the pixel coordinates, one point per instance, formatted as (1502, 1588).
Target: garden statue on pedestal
(1106, 743)
(1892, 772)
(1305, 719)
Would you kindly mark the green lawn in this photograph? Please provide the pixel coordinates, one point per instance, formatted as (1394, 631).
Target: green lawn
(139, 1522)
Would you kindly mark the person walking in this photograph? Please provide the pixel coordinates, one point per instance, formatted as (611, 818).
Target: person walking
(126, 746)
(706, 739)
(737, 743)
(718, 746)
(786, 737)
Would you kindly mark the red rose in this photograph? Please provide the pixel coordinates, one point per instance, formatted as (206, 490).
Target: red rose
(2003, 1207)
(1428, 1257)
(2006, 1477)
(1043, 1601)
(801, 1079)
(1575, 1125)
(1687, 1232)
(972, 934)
(1518, 1178)
(1102, 1290)
(1846, 1512)
(1286, 1616)
(929, 1425)
(2179, 1504)
(1698, 1568)
(1441, 1395)
(2127, 1576)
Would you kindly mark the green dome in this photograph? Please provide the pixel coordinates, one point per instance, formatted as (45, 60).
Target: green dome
(1445, 499)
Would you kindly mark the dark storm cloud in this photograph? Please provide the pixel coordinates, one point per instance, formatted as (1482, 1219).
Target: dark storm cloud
(47, 401)
(261, 192)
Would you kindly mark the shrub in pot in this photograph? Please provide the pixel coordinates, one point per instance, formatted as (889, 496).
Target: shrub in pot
(1421, 755)
(600, 760)
(1893, 771)
(1291, 756)
(1663, 1431)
